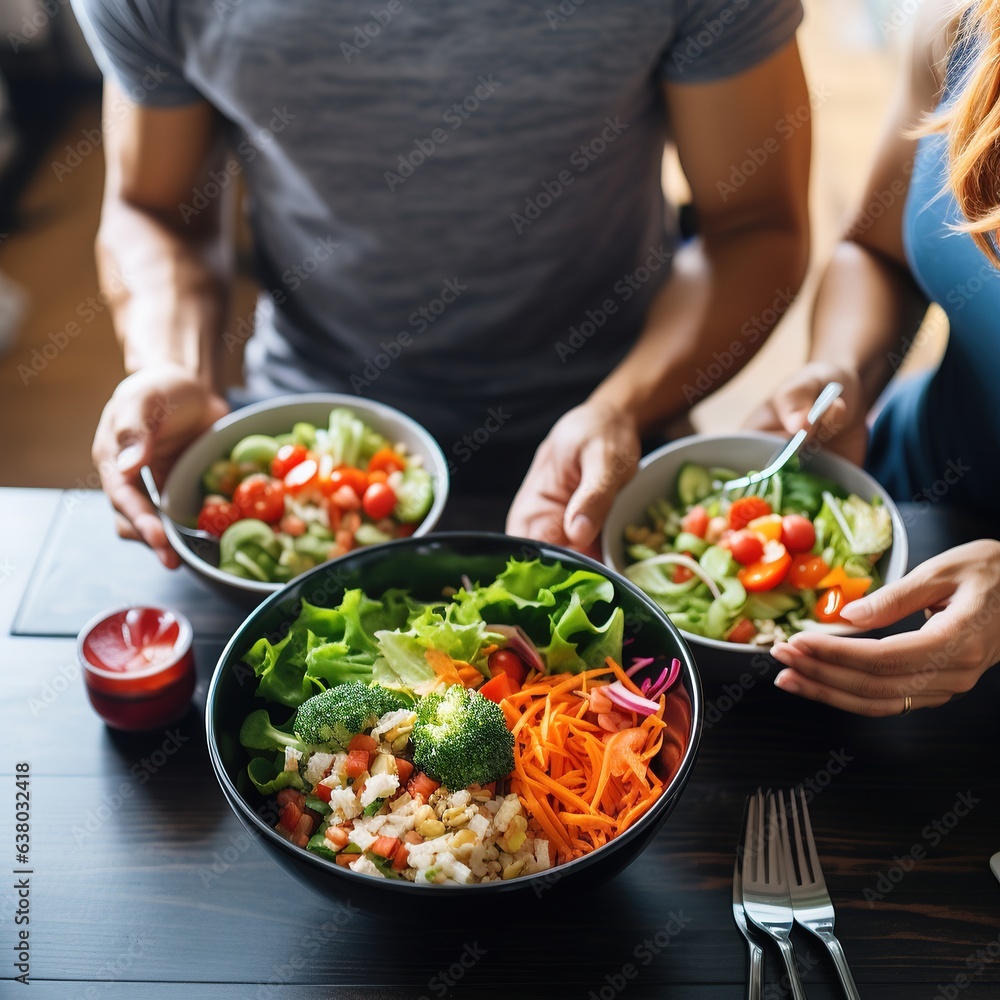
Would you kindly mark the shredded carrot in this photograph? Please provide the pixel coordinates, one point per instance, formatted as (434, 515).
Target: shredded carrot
(582, 785)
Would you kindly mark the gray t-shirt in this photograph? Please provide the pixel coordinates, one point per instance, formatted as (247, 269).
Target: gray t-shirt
(456, 205)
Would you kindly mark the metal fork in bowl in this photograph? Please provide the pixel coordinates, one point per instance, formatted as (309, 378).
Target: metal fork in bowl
(756, 483)
(765, 887)
(811, 903)
(202, 543)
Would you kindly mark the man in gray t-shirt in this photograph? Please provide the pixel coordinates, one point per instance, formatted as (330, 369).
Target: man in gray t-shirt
(456, 209)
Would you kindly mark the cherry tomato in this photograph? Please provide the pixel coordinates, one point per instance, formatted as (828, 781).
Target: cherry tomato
(829, 605)
(797, 533)
(379, 501)
(261, 497)
(768, 527)
(747, 509)
(302, 476)
(769, 571)
(505, 661)
(346, 475)
(807, 571)
(386, 460)
(289, 455)
(743, 631)
(746, 547)
(216, 514)
(681, 574)
(695, 521)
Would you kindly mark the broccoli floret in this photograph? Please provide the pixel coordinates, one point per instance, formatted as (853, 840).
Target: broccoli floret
(259, 733)
(461, 738)
(339, 713)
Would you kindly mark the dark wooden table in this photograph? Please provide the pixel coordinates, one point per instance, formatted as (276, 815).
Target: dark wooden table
(143, 884)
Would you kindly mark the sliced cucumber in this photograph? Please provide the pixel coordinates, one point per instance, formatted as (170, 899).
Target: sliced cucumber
(368, 534)
(257, 449)
(686, 542)
(415, 495)
(718, 563)
(694, 483)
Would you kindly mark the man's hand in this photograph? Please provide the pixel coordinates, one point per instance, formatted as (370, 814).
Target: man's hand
(589, 454)
(151, 418)
(842, 429)
(960, 590)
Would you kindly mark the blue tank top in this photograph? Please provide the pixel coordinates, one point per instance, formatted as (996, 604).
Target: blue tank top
(938, 437)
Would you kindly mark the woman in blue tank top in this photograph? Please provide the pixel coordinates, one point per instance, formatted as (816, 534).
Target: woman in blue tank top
(925, 232)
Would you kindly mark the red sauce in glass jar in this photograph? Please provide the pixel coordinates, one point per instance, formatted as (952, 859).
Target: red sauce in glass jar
(138, 666)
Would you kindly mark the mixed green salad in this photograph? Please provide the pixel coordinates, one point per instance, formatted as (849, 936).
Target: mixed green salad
(757, 568)
(282, 505)
(387, 736)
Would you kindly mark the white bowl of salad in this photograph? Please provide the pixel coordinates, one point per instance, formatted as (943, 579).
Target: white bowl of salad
(292, 482)
(742, 573)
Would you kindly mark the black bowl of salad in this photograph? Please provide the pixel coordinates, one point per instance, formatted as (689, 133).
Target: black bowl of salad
(737, 572)
(295, 481)
(466, 713)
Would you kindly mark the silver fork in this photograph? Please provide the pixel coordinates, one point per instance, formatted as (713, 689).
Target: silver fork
(756, 484)
(765, 887)
(811, 902)
(756, 976)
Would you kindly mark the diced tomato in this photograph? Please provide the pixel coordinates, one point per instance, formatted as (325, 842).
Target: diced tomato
(412, 837)
(829, 605)
(797, 533)
(747, 509)
(292, 524)
(347, 475)
(769, 571)
(334, 515)
(323, 792)
(385, 847)
(746, 547)
(404, 768)
(357, 763)
(216, 514)
(421, 785)
(351, 522)
(507, 662)
(302, 476)
(344, 538)
(362, 742)
(379, 501)
(807, 571)
(386, 460)
(289, 816)
(682, 574)
(768, 527)
(290, 795)
(501, 686)
(378, 476)
(695, 521)
(261, 497)
(339, 838)
(345, 498)
(743, 631)
(401, 860)
(303, 830)
(345, 860)
(289, 455)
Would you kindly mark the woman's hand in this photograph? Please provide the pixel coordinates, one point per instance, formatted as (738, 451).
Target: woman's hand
(842, 429)
(151, 418)
(960, 591)
(590, 453)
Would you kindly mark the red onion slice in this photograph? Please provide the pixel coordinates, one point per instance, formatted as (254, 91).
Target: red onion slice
(624, 698)
(518, 642)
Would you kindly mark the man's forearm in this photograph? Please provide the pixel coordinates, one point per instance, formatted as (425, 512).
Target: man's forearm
(707, 321)
(168, 291)
(867, 311)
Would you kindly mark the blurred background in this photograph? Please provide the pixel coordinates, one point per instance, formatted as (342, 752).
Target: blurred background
(59, 360)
